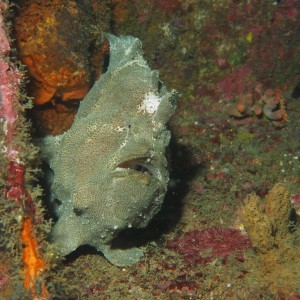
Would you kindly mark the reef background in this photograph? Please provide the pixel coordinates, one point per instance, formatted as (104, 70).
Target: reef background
(235, 136)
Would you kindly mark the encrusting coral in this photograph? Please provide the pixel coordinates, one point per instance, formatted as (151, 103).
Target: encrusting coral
(33, 262)
(259, 103)
(59, 65)
(110, 169)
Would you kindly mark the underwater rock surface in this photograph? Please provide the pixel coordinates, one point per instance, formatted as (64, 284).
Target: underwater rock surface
(109, 169)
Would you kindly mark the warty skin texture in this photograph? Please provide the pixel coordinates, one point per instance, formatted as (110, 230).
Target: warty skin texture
(109, 169)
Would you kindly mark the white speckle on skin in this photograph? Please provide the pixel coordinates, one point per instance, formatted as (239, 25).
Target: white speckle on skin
(149, 104)
(119, 129)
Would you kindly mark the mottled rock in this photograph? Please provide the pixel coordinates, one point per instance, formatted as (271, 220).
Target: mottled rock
(110, 170)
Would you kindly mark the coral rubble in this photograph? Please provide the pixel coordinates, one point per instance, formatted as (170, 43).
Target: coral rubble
(268, 103)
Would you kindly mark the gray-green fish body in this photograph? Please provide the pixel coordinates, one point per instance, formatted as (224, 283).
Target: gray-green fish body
(109, 169)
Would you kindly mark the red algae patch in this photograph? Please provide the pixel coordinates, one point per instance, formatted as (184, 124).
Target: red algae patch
(168, 6)
(202, 247)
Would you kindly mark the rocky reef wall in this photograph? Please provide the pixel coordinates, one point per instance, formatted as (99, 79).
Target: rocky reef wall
(235, 135)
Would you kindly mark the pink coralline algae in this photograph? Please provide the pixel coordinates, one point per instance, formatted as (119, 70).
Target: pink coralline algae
(289, 11)
(238, 81)
(202, 247)
(4, 277)
(296, 204)
(10, 80)
(4, 44)
(17, 190)
(168, 6)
